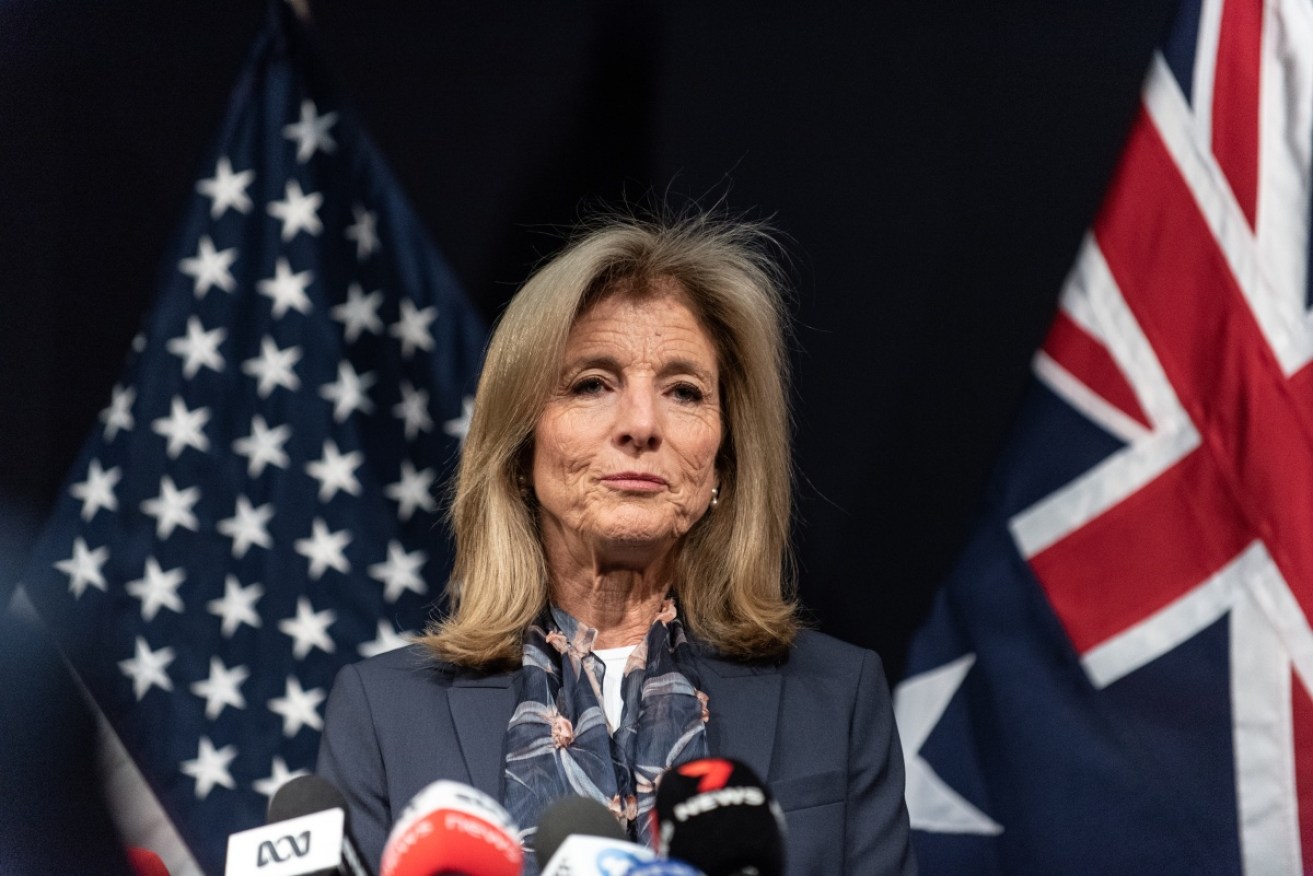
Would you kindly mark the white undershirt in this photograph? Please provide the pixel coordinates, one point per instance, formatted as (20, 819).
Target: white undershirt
(614, 659)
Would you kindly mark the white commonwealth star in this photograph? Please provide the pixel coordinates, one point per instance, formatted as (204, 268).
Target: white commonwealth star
(146, 668)
(84, 568)
(309, 629)
(932, 805)
(324, 549)
(210, 268)
(273, 368)
(350, 392)
(387, 639)
(172, 508)
(359, 312)
(364, 232)
(210, 767)
(412, 329)
(226, 189)
(414, 490)
(287, 290)
(247, 526)
(97, 491)
(198, 348)
(183, 428)
(157, 589)
(299, 708)
(459, 427)
(413, 410)
(221, 688)
(237, 606)
(118, 415)
(297, 211)
(335, 471)
(311, 132)
(279, 775)
(264, 446)
(400, 572)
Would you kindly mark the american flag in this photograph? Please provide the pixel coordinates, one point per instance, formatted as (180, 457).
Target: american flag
(1116, 677)
(258, 503)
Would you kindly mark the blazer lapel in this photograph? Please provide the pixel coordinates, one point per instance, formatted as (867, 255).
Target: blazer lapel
(744, 704)
(481, 707)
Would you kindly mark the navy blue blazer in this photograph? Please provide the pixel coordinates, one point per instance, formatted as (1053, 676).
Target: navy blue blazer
(819, 728)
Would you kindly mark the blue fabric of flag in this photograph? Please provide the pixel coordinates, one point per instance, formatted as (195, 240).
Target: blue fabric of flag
(1080, 781)
(258, 504)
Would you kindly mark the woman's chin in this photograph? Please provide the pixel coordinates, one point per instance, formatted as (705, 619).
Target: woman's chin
(635, 544)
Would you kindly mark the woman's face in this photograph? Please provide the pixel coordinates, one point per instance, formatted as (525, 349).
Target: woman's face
(625, 450)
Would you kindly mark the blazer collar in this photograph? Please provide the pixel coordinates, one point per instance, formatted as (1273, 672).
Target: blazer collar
(744, 705)
(481, 709)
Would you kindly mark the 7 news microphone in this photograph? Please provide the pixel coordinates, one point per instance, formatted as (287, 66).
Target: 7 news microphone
(306, 835)
(716, 814)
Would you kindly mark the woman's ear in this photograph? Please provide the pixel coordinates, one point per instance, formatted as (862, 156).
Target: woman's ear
(524, 472)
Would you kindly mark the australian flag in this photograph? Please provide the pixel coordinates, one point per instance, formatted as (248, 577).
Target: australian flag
(1116, 677)
(258, 504)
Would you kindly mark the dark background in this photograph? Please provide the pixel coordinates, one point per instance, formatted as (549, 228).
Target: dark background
(932, 164)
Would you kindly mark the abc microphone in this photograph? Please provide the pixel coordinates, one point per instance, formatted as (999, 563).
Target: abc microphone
(450, 829)
(718, 816)
(307, 835)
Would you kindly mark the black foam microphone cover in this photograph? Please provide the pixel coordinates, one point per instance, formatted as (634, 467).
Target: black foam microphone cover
(304, 795)
(572, 815)
(308, 794)
(716, 814)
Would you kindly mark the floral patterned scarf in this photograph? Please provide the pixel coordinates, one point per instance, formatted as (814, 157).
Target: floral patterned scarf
(558, 740)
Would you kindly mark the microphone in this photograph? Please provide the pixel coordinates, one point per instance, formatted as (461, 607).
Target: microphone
(583, 855)
(306, 835)
(451, 829)
(580, 837)
(144, 862)
(572, 815)
(717, 815)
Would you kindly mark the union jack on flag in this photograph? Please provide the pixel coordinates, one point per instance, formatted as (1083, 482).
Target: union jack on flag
(258, 504)
(1116, 676)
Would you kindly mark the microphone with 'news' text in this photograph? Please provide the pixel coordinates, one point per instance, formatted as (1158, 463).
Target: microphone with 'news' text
(716, 814)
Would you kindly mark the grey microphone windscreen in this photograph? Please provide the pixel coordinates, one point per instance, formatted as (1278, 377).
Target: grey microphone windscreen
(304, 795)
(571, 815)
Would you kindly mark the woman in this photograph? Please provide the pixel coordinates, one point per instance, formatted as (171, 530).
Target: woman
(620, 598)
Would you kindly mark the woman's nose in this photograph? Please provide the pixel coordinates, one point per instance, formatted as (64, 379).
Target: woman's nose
(638, 419)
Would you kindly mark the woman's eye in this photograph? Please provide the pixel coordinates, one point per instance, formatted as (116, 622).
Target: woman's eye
(587, 386)
(687, 392)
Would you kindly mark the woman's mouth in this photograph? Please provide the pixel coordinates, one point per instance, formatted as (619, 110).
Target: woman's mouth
(635, 481)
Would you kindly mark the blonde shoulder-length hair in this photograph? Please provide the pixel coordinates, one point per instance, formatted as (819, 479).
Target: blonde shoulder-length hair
(734, 574)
